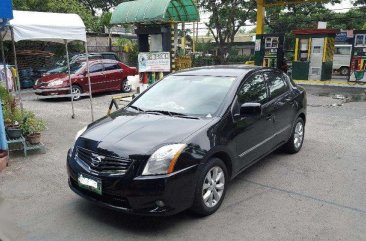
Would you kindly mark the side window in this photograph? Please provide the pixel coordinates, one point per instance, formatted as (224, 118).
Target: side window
(276, 84)
(109, 56)
(111, 66)
(96, 68)
(253, 90)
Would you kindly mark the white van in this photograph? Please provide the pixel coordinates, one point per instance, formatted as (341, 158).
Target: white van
(342, 58)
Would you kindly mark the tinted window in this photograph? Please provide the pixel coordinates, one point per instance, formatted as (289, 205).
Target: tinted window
(192, 95)
(96, 68)
(111, 66)
(277, 86)
(253, 90)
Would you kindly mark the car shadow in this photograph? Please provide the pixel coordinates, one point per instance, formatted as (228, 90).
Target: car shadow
(131, 223)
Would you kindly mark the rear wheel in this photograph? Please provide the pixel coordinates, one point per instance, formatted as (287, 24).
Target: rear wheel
(126, 88)
(211, 188)
(76, 91)
(296, 140)
(344, 71)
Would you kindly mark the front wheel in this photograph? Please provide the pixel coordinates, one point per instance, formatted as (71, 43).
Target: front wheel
(126, 88)
(296, 140)
(211, 188)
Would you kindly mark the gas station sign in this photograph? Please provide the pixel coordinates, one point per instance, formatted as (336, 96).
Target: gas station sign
(6, 9)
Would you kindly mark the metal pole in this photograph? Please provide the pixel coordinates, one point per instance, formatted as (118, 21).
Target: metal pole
(69, 72)
(17, 85)
(3, 57)
(89, 82)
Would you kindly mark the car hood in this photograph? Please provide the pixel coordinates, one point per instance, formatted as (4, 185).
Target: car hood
(132, 134)
(52, 77)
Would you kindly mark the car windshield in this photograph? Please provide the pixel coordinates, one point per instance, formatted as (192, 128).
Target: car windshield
(187, 95)
(74, 68)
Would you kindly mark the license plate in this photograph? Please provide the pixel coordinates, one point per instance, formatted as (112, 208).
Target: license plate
(90, 183)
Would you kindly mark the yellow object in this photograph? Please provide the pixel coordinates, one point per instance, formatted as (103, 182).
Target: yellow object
(325, 49)
(260, 17)
(309, 48)
(250, 62)
(296, 49)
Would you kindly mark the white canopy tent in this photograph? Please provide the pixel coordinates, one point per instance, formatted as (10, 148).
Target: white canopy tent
(50, 27)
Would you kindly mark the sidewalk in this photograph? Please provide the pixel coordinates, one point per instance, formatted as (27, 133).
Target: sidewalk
(337, 83)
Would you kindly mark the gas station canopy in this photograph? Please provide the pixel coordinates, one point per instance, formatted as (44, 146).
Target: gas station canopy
(152, 11)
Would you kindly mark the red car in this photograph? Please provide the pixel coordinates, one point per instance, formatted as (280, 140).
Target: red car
(105, 75)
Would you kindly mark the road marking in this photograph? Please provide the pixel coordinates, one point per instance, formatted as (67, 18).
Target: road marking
(308, 196)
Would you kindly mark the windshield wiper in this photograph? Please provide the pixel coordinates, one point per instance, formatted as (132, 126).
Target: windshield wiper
(171, 113)
(136, 108)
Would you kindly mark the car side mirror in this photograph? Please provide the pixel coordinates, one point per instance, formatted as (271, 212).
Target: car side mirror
(251, 110)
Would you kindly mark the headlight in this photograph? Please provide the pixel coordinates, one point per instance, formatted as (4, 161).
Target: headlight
(55, 83)
(163, 160)
(37, 81)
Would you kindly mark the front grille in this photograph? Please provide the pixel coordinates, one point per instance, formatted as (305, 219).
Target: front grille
(104, 164)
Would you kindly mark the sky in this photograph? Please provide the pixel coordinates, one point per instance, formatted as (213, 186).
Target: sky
(344, 6)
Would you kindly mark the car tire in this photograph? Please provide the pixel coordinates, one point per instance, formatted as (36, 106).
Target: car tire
(202, 205)
(77, 91)
(296, 140)
(344, 71)
(125, 87)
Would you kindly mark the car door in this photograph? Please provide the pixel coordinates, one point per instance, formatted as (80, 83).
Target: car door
(281, 104)
(114, 75)
(97, 77)
(254, 135)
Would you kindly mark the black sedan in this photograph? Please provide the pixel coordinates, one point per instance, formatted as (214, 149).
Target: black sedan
(177, 145)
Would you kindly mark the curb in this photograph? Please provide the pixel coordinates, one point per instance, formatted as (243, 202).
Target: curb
(333, 83)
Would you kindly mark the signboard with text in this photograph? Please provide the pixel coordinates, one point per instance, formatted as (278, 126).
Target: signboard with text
(154, 62)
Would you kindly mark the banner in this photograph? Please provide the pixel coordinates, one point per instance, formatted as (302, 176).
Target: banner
(154, 62)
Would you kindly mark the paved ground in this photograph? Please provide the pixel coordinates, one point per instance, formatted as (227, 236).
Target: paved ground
(318, 194)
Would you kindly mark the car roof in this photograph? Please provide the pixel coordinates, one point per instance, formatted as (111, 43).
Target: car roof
(220, 70)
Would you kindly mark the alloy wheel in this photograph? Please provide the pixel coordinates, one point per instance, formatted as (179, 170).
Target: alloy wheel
(76, 93)
(126, 87)
(299, 135)
(213, 186)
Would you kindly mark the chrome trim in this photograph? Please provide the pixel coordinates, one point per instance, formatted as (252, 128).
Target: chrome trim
(264, 141)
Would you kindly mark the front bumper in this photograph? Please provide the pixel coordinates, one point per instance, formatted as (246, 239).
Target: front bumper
(47, 91)
(138, 195)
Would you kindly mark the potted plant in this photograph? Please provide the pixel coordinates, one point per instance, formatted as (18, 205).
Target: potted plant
(12, 118)
(32, 128)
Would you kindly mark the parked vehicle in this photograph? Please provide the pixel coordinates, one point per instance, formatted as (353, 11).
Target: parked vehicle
(178, 144)
(61, 64)
(342, 58)
(105, 75)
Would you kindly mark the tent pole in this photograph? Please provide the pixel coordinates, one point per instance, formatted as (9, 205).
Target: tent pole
(69, 72)
(17, 85)
(3, 57)
(89, 82)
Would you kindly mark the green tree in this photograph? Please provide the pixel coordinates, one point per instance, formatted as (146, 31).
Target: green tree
(227, 17)
(59, 6)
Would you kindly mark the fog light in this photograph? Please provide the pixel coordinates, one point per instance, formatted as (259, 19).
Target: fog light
(160, 203)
